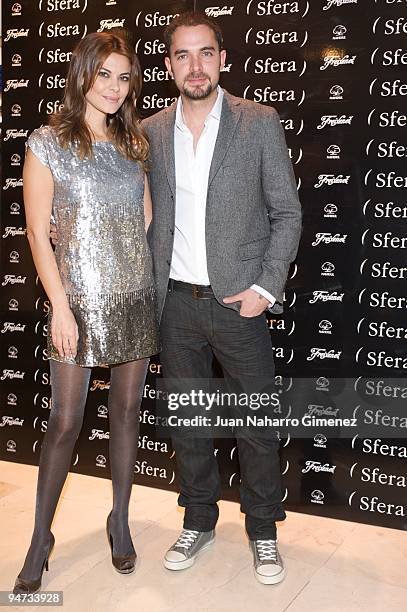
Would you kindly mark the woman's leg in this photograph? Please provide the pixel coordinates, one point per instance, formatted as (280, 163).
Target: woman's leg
(125, 395)
(69, 385)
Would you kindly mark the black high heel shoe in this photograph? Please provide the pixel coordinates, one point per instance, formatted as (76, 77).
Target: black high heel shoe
(123, 565)
(32, 586)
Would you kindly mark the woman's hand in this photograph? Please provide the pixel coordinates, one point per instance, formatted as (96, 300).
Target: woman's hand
(53, 234)
(64, 331)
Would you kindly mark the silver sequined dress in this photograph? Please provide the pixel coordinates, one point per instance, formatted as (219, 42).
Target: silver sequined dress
(102, 253)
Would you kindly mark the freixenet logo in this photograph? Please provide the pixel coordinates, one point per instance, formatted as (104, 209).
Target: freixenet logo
(334, 120)
(99, 434)
(328, 238)
(8, 326)
(323, 353)
(217, 11)
(15, 33)
(326, 296)
(100, 385)
(12, 183)
(16, 84)
(12, 279)
(337, 60)
(13, 133)
(12, 375)
(14, 257)
(319, 410)
(108, 24)
(317, 466)
(14, 231)
(331, 179)
(330, 3)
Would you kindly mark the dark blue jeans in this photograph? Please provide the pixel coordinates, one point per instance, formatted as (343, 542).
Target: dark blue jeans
(193, 331)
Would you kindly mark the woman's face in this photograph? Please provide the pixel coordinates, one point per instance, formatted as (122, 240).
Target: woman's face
(111, 85)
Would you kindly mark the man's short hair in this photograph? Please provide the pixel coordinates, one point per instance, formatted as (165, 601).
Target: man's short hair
(188, 19)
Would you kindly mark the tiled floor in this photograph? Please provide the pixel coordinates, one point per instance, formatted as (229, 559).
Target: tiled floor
(331, 565)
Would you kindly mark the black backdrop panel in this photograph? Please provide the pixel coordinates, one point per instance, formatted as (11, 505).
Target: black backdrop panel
(335, 71)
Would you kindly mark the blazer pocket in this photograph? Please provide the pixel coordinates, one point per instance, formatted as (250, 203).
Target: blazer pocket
(253, 249)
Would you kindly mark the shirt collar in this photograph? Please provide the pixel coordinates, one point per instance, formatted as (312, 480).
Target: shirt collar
(215, 112)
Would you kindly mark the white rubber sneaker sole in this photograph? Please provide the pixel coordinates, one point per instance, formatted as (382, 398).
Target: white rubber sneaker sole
(270, 579)
(180, 565)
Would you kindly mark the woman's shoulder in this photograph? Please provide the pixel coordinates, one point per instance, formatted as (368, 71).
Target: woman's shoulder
(44, 133)
(42, 142)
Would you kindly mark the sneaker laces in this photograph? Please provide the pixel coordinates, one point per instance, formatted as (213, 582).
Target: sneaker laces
(267, 550)
(186, 539)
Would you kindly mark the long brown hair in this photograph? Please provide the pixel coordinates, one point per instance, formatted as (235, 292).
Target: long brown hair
(124, 127)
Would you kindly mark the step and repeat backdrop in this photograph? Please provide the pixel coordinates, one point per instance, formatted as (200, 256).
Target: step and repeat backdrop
(336, 72)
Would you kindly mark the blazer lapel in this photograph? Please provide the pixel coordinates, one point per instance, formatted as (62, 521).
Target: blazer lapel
(167, 136)
(228, 121)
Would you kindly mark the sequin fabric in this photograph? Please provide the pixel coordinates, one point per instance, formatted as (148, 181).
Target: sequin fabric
(102, 253)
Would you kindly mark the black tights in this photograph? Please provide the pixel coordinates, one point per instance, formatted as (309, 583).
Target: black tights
(69, 384)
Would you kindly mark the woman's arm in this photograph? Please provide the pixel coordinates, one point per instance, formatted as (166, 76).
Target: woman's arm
(148, 205)
(38, 189)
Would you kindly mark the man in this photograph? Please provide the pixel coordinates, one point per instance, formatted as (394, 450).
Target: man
(226, 226)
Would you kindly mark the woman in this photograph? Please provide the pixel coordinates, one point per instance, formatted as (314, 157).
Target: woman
(87, 170)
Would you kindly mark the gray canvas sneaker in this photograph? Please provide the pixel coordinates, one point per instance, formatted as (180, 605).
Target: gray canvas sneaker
(268, 564)
(190, 543)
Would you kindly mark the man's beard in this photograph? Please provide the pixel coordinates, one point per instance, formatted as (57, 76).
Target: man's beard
(198, 93)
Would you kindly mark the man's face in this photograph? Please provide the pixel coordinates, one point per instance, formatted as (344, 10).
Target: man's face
(195, 61)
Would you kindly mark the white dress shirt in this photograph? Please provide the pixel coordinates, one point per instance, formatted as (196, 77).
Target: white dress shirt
(189, 263)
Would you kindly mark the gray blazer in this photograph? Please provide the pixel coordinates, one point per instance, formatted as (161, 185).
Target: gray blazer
(253, 215)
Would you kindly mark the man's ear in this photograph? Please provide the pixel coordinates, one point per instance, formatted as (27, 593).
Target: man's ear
(222, 59)
(168, 66)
